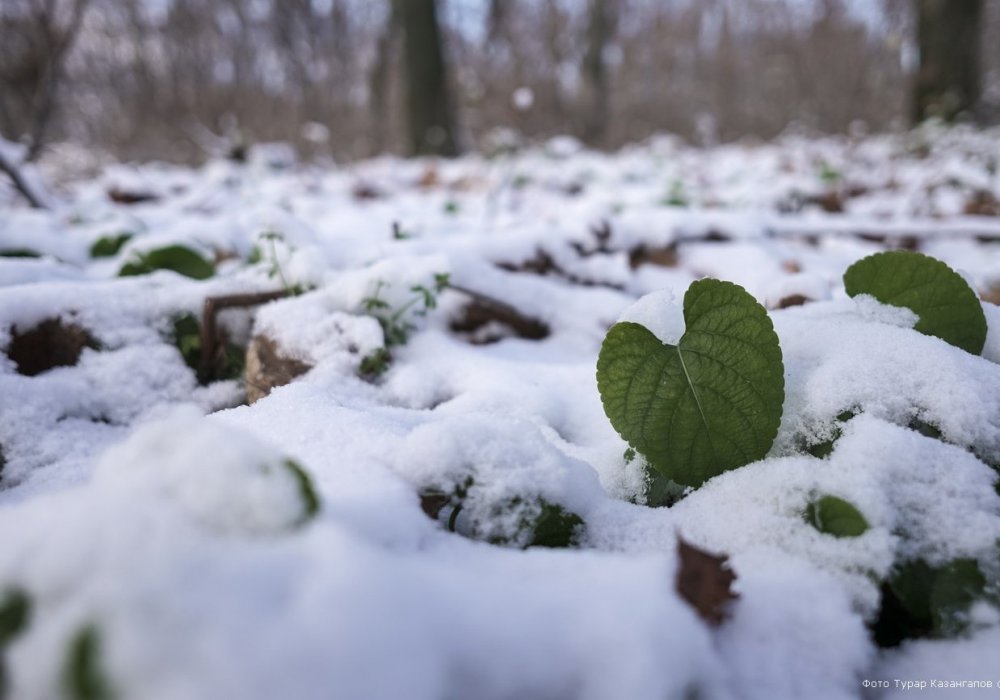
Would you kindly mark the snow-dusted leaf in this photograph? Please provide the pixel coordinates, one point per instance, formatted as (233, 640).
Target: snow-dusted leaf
(555, 527)
(710, 403)
(944, 302)
(835, 516)
(178, 258)
(108, 246)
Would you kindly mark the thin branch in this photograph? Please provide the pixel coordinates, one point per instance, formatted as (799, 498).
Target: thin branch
(210, 310)
(21, 183)
(525, 326)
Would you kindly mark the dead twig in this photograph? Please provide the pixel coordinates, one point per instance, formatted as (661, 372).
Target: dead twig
(524, 326)
(209, 314)
(21, 183)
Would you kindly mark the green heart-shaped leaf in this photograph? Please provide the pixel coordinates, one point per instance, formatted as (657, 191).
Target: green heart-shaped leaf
(835, 516)
(706, 405)
(946, 305)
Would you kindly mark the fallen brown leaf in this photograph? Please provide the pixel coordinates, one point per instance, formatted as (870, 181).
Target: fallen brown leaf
(705, 581)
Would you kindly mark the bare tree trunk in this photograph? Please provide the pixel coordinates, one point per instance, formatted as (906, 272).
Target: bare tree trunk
(378, 84)
(948, 82)
(496, 22)
(600, 29)
(430, 110)
(59, 41)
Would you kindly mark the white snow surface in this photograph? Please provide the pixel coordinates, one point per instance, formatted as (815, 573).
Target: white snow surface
(162, 514)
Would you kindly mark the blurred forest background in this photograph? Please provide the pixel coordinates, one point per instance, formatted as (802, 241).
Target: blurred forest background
(183, 79)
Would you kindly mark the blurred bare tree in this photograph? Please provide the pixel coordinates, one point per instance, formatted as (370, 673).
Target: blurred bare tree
(601, 18)
(178, 79)
(37, 37)
(430, 116)
(948, 81)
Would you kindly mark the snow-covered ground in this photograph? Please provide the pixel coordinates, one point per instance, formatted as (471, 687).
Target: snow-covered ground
(170, 547)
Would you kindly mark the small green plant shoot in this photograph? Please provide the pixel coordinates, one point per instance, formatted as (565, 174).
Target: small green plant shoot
(710, 403)
(177, 258)
(396, 326)
(310, 499)
(835, 516)
(944, 302)
(274, 270)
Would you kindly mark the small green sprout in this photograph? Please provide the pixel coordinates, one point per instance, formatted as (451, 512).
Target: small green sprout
(271, 238)
(396, 327)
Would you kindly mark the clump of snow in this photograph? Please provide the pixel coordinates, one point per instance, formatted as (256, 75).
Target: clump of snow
(811, 287)
(308, 329)
(862, 356)
(660, 312)
(503, 466)
(225, 479)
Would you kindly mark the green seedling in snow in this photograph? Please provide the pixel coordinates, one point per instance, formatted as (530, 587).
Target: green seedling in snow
(828, 174)
(108, 246)
(554, 527)
(375, 363)
(310, 499)
(676, 197)
(947, 307)
(709, 404)
(835, 516)
(274, 270)
(177, 258)
(396, 326)
(520, 181)
(540, 523)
